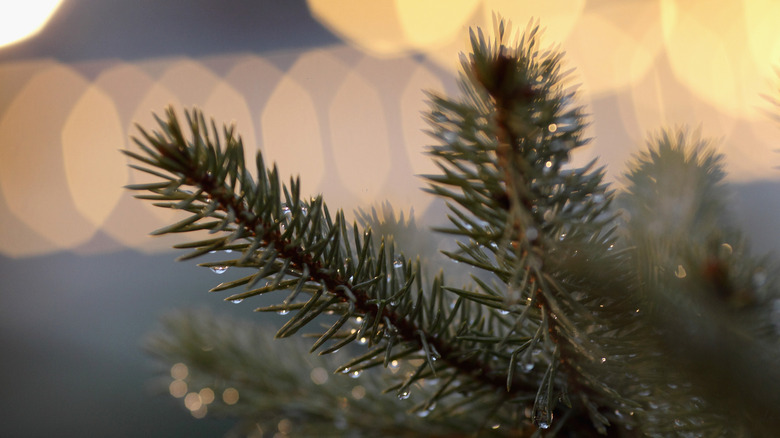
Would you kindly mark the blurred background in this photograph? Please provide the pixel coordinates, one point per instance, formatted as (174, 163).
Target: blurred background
(331, 90)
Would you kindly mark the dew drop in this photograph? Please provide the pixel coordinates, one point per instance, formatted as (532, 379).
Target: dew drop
(503, 312)
(543, 418)
(404, 394)
(552, 127)
(236, 301)
(397, 263)
(283, 312)
(228, 251)
(363, 340)
(219, 269)
(562, 236)
(527, 367)
(355, 374)
(603, 359)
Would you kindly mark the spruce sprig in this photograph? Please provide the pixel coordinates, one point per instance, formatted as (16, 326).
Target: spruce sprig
(563, 322)
(522, 215)
(295, 245)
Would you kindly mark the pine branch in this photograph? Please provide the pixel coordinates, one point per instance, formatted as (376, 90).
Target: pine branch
(266, 393)
(571, 310)
(708, 298)
(301, 248)
(547, 214)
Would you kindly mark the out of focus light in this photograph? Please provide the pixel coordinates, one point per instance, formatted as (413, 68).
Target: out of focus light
(192, 401)
(230, 396)
(285, 426)
(179, 371)
(394, 27)
(22, 19)
(178, 388)
(319, 376)
(206, 395)
(358, 392)
(200, 412)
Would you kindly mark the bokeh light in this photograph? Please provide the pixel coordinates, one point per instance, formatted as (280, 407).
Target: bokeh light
(179, 371)
(94, 169)
(292, 136)
(21, 20)
(178, 388)
(319, 375)
(33, 179)
(206, 395)
(347, 118)
(230, 396)
(557, 17)
(710, 51)
(359, 134)
(394, 27)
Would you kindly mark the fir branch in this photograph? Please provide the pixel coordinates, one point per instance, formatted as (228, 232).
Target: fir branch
(547, 213)
(570, 311)
(283, 242)
(272, 392)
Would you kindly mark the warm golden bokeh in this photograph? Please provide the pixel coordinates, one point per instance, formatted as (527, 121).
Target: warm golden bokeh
(95, 171)
(292, 133)
(347, 118)
(394, 27)
(32, 172)
(21, 20)
(359, 137)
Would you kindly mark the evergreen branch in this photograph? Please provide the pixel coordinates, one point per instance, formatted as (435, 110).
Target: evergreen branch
(267, 392)
(700, 282)
(563, 289)
(512, 162)
(278, 240)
